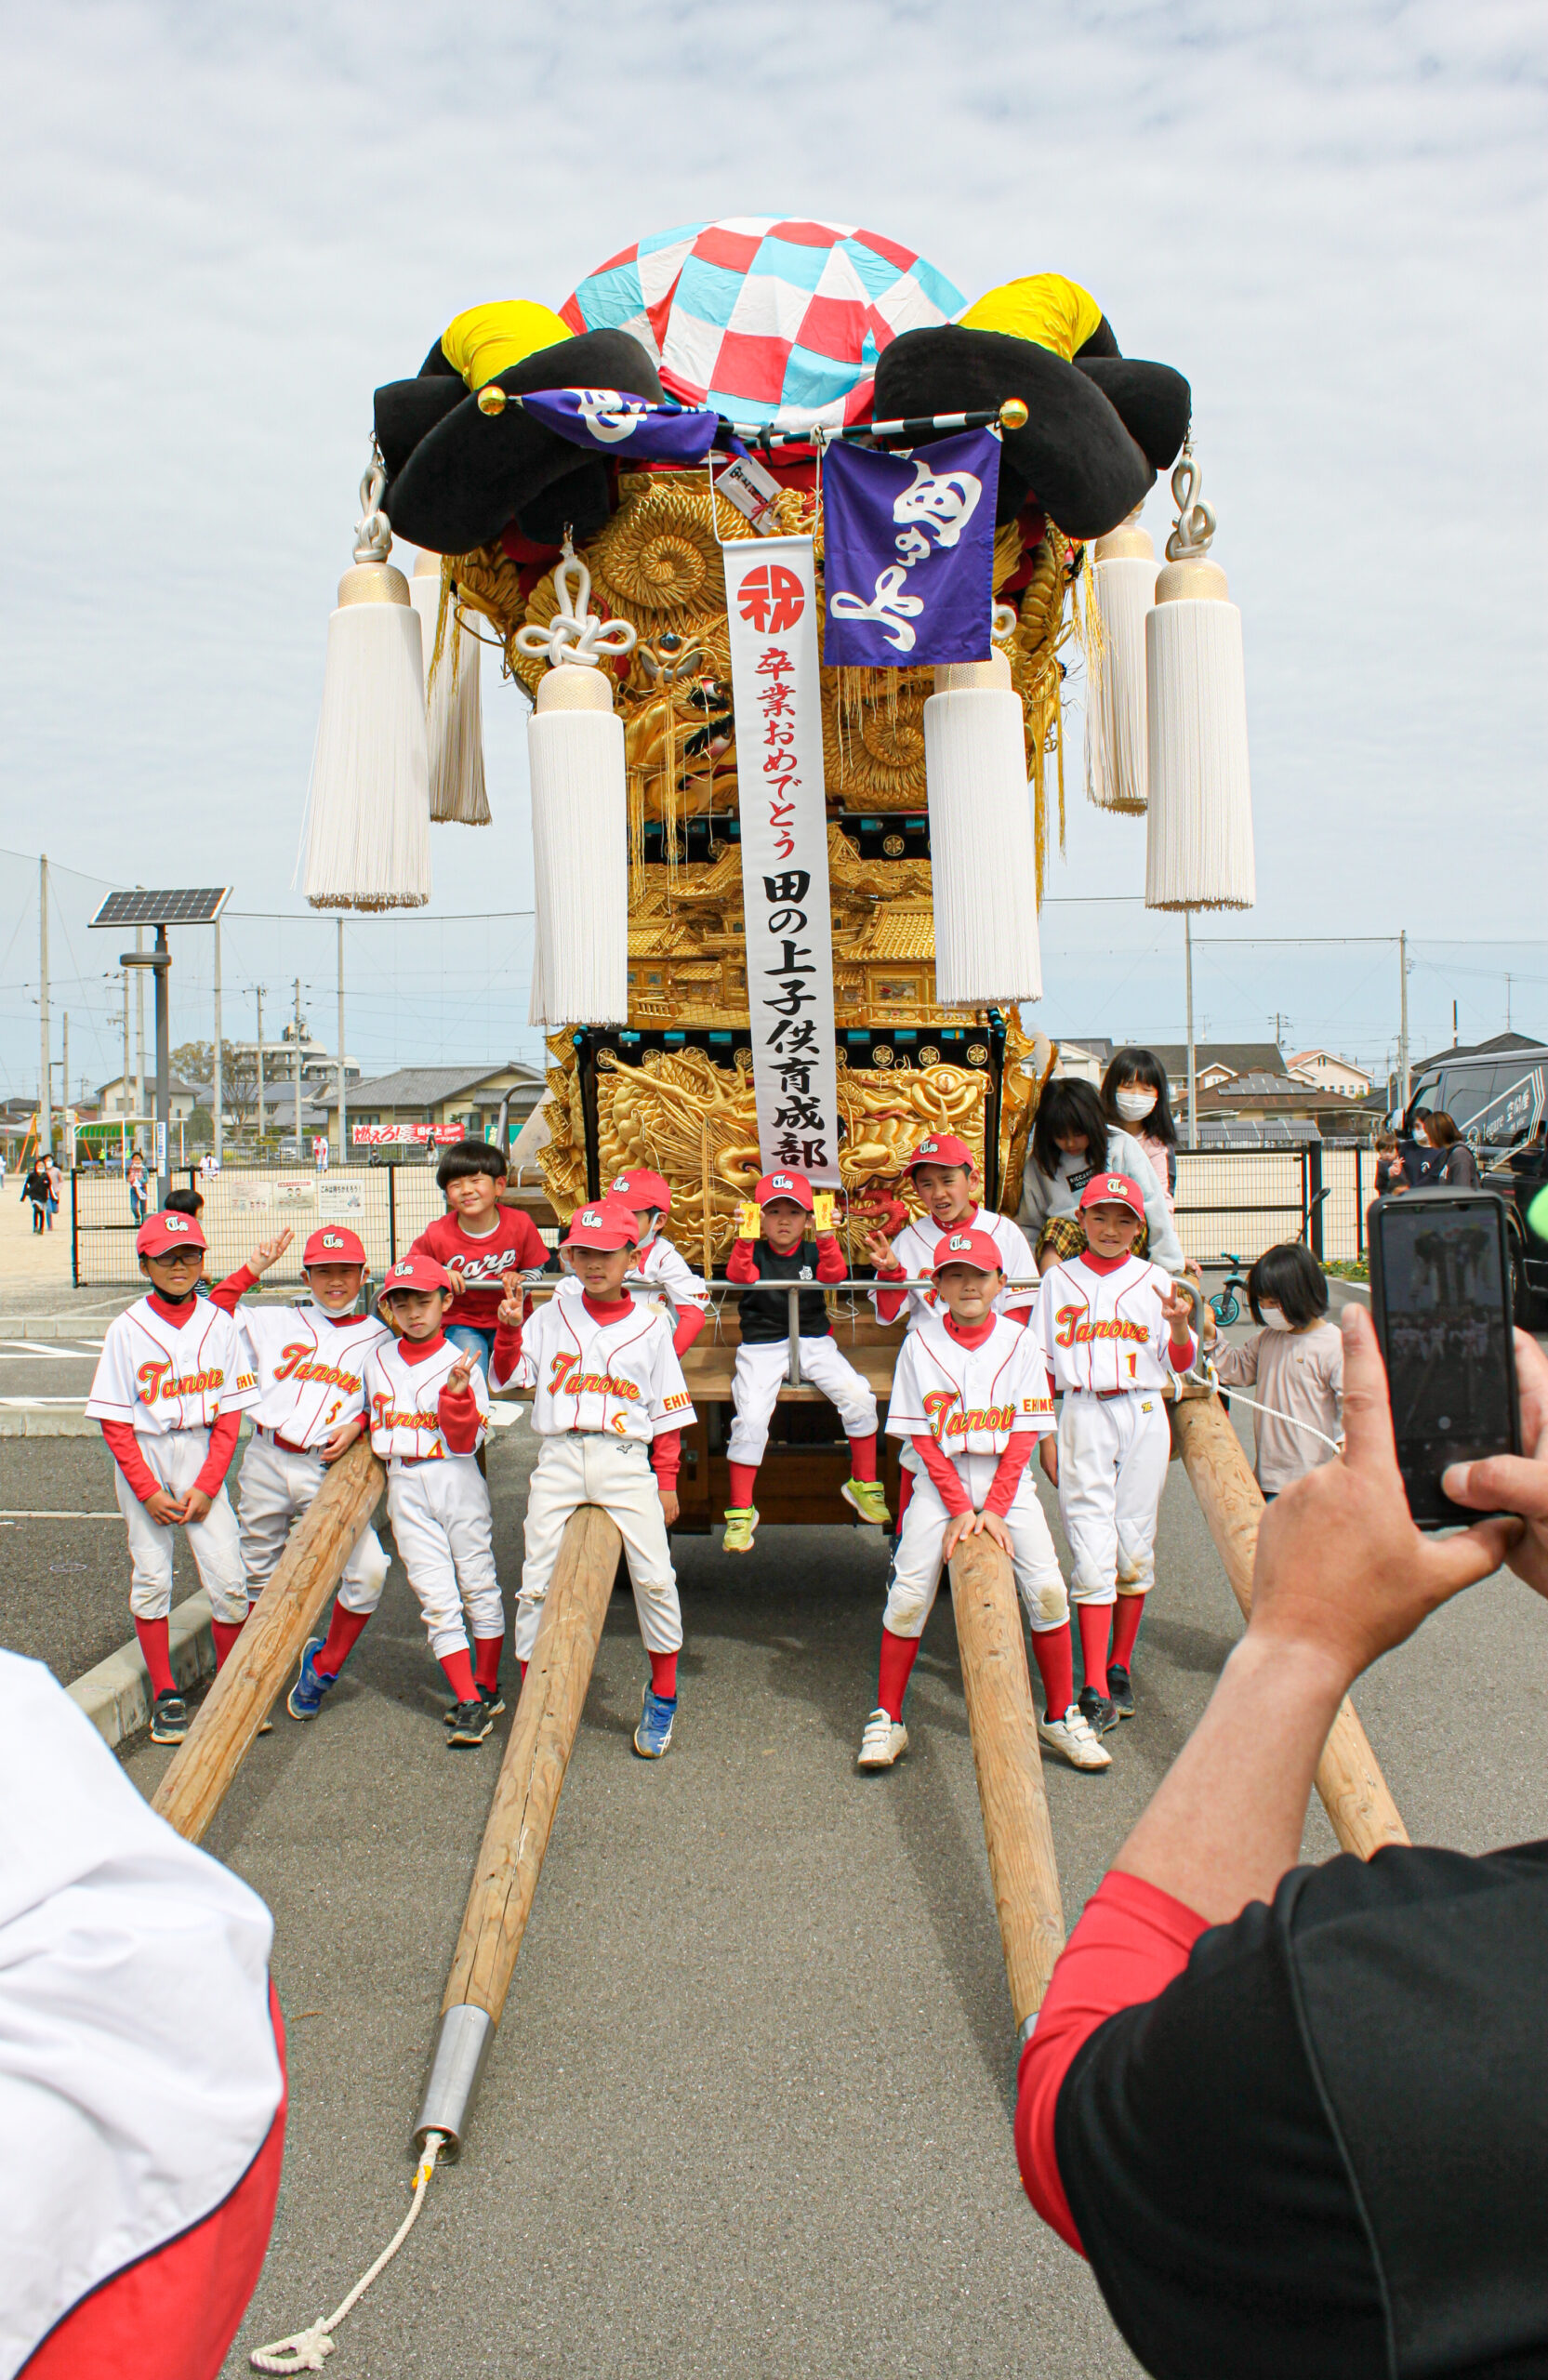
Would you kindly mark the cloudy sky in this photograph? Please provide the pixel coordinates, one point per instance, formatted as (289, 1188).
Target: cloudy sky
(224, 226)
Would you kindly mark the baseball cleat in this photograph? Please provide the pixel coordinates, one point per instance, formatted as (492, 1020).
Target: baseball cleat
(1097, 1711)
(471, 1722)
(884, 1741)
(652, 1737)
(168, 1718)
(740, 1522)
(868, 1500)
(305, 1698)
(491, 1698)
(1072, 1736)
(1120, 1691)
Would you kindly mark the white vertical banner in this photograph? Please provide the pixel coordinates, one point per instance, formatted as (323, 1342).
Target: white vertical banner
(771, 608)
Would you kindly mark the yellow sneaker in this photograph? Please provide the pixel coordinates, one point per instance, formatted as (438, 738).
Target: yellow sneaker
(868, 1500)
(739, 1526)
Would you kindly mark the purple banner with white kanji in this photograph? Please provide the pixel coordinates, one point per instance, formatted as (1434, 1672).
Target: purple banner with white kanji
(614, 423)
(910, 542)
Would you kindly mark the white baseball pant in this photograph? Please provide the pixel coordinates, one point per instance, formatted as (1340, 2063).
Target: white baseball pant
(277, 1487)
(442, 1521)
(1113, 1456)
(176, 1461)
(759, 1375)
(915, 1578)
(589, 1467)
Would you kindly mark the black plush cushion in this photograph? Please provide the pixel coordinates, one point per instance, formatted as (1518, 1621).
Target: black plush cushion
(1074, 456)
(1152, 400)
(457, 476)
(1322, 2153)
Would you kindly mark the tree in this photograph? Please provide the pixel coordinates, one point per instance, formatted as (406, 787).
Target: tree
(195, 1061)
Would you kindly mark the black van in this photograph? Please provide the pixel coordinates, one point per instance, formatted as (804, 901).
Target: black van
(1498, 1102)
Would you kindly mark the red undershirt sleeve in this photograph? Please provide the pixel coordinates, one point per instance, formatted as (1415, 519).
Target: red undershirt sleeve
(1131, 1941)
(228, 1293)
(666, 1455)
(506, 1354)
(1007, 1471)
(945, 1476)
(690, 1322)
(890, 1303)
(1182, 1363)
(458, 1417)
(222, 1445)
(740, 1267)
(124, 1447)
(830, 1258)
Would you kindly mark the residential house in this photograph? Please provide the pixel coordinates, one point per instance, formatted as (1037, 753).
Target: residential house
(118, 1098)
(469, 1096)
(1321, 1068)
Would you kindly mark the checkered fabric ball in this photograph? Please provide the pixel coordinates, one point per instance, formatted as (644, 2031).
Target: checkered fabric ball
(769, 320)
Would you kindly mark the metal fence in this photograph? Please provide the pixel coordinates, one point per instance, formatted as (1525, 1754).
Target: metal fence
(1245, 1200)
(388, 1206)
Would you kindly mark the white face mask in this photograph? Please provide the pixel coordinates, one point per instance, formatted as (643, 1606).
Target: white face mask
(1274, 1319)
(1134, 1104)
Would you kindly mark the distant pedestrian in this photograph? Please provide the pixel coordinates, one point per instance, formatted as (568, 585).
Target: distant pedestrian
(1459, 1166)
(35, 1187)
(3, 1162)
(1422, 1161)
(134, 1175)
(56, 1188)
(1389, 1166)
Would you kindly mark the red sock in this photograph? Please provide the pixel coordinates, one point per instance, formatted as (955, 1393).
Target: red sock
(486, 1659)
(458, 1667)
(523, 1667)
(663, 1675)
(1126, 1627)
(862, 1457)
(898, 1655)
(225, 1636)
(344, 1629)
(155, 1645)
(743, 1479)
(1096, 1618)
(1055, 1658)
(905, 1493)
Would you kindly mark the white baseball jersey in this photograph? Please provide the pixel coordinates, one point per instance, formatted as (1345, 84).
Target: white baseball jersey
(915, 1249)
(310, 1370)
(621, 1377)
(158, 1378)
(656, 1271)
(1106, 1331)
(402, 1401)
(970, 1400)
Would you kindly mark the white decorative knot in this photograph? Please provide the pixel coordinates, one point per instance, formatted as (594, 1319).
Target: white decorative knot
(575, 634)
(1194, 533)
(373, 530)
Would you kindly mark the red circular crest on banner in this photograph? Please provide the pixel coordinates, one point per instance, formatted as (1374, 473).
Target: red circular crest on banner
(772, 599)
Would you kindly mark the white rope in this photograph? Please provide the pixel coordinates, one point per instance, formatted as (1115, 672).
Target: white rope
(1273, 1411)
(308, 2350)
(373, 530)
(575, 634)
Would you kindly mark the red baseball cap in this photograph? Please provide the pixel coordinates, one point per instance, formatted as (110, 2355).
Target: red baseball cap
(414, 1272)
(785, 1185)
(1113, 1190)
(974, 1247)
(332, 1245)
(158, 1235)
(608, 1224)
(943, 1148)
(639, 1188)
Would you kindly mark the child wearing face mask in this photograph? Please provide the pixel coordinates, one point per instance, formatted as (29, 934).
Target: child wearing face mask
(1294, 1363)
(1136, 1096)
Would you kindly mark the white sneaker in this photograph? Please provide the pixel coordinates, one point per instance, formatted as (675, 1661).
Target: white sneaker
(886, 1740)
(1075, 1738)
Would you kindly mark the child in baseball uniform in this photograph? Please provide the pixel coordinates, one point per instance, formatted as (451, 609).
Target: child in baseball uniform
(309, 1359)
(610, 1404)
(656, 1269)
(782, 1253)
(970, 1395)
(426, 1407)
(1115, 1328)
(948, 1185)
(479, 1241)
(170, 1389)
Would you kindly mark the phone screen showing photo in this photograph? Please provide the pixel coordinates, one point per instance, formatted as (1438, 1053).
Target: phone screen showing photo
(1444, 1327)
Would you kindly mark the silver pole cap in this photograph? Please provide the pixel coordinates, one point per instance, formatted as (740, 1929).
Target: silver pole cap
(460, 2051)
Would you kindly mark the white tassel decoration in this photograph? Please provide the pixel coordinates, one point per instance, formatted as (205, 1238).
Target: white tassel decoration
(1117, 758)
(453, 706)
(368, 833)
(1198, 843)
(982, 855)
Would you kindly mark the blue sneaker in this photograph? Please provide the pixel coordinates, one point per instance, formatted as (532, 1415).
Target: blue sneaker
(652, 1737)
(305, 1699)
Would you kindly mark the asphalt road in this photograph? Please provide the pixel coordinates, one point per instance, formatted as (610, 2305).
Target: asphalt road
(750, 2111)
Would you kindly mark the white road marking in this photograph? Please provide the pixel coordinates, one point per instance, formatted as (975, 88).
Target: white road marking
(61, 1516)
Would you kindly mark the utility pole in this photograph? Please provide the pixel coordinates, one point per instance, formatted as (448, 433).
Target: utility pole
(298, 1065)
(1507, 1003)
(1454, 1033)
(1403, 1020)
(257, 995)
(343, 1123)
(220, 1084)
(124, 1081)
(65, 1117)
(1193, 1056)
(44, 1091)
(139, 1029)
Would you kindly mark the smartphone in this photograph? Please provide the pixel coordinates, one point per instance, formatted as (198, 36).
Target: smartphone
(1440, 1297)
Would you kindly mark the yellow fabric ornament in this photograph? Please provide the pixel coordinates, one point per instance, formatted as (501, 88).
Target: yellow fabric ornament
(488, 339)
(1042, 308)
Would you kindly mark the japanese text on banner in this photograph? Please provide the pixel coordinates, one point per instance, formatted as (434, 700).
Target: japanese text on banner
(771, 607)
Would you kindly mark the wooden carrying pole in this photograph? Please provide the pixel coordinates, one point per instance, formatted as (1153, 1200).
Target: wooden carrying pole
(1353, 1792)
(520, 1815)
(1004, 1729)
(269, 1648)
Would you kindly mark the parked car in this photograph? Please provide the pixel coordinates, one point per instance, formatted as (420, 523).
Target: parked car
(1500, 1106)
